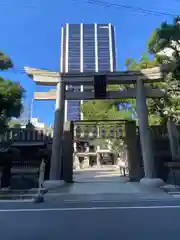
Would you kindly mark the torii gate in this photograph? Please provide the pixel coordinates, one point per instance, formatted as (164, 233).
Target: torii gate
(140, 92)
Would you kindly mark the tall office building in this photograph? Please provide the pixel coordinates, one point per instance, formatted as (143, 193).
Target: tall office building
(86, 48)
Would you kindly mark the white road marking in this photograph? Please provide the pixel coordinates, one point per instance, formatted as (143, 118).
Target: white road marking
(17, 201)
(92, 201)
(105, 201)
(87, 209)
(176, 195)
(173, 193)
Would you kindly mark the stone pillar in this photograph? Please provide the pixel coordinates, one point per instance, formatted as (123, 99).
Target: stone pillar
(87, 157)
(98, 157)
(76, 162)
(132, 151)
(145, 138)
(75, 158)
(68, 150)
(56, 158)
(146, 145)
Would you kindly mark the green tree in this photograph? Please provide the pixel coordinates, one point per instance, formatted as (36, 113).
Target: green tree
(166, 38)
(14, 123)
(106, 109)
(145, 62)
(103, 110)
(164, 43)
(11, 94)
(160, 110)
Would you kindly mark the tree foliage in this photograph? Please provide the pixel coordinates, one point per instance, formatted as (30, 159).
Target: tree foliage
(106, 109)
(144, 63)
(5, 62)
(11, 94)
(160, 110)
(166, 37)
(164, 43)
(14, 123)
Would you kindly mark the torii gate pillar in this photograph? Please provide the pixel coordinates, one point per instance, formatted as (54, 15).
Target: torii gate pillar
(56, 158)
(145, 138)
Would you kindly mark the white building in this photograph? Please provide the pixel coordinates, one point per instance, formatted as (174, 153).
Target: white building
(37, 124)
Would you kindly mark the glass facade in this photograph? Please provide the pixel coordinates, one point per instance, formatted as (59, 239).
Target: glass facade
(74, 48)
(96, 53)
(103, 48)
(73, 107)
(89, 63)
(88, 48)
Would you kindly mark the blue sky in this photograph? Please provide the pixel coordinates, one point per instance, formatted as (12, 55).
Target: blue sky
(30, 34)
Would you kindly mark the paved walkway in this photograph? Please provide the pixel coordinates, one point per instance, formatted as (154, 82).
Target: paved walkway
(96, 184)
(105, 183)
(96, 175)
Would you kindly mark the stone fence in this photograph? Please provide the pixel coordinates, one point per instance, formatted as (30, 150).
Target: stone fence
(28, 135)
(46, 135)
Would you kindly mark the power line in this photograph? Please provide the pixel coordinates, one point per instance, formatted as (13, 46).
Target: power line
(131, 8)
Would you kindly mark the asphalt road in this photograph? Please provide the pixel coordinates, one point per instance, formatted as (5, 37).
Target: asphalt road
(87, 221)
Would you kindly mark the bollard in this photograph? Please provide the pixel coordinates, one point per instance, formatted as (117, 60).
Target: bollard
(39, 196)
(124, 171)
(41, 174)
(122, 166)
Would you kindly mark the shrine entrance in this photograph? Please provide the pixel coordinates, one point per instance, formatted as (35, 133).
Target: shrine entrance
(100, 152)
(97, 145)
